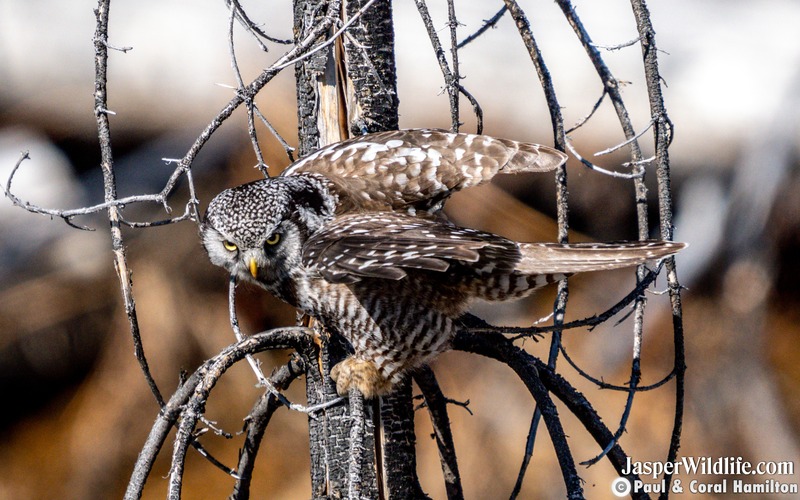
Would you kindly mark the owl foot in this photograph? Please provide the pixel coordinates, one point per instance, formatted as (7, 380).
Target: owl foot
(361, 374)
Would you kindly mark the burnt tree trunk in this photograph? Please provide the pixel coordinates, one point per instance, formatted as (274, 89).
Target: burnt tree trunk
(345, 90)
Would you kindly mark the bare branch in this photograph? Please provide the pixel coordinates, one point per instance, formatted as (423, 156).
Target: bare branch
(586, 118)
(663, 137)
(257, 421)
(501, 349)
(289, 149)
(452, 24)
(110, 189)
(605, 385)
(626, 142)
(476, 107)
(620, 429)
(331, 39)
(252, 27)
(450, 76)
(619, 46)
(489, 23)
(254, 365)
(560, 139)
(476, 325)
(436, 403)
(248, 100)
(114, 203)
(213, 460)
(598, 169)
(526, 365)
(209, 374)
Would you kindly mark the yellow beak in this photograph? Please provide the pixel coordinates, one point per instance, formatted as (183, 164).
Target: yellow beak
(253, 268)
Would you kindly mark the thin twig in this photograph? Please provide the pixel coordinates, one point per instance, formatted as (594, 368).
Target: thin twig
(481, 327)
(525, 366)
(213, 460)
(598, 169)
(452, 24)
(256, 424)
(605, 385)
(586, 118)
(618, 46)
(476, 108)
(436, 403)
(450, 76)
(254, 365)
(625, 142)
(110, 191)
(489, 23)
(559, 137)
(663, 137)
(620, 429)
(248, 100)
(253, 28)
(112, 47)
(289, 149)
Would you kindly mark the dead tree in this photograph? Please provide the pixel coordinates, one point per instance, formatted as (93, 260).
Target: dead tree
(343, 56)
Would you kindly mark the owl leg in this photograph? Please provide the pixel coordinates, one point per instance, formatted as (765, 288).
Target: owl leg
(361, 374)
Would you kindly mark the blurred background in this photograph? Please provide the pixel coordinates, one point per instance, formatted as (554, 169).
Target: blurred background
(78, 410)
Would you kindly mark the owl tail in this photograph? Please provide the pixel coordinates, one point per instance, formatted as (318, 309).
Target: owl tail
(530, 157)
(544, 263)
(553, 258)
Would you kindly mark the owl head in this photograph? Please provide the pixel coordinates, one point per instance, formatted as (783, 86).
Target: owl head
(256, 231)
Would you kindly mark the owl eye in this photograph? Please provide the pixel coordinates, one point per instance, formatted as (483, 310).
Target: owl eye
(273, 239)
(230, 246)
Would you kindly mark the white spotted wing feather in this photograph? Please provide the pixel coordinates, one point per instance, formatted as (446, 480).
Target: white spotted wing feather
(386, 245)
(417, 169)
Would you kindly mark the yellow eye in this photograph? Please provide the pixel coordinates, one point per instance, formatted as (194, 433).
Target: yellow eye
(274, 239)
(230, 246)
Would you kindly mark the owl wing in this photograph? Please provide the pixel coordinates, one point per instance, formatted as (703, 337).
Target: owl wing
(417, 169)
(386, 244)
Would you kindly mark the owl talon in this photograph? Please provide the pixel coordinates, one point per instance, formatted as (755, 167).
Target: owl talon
(361, 374)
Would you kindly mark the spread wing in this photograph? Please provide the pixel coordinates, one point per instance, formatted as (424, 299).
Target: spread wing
(385, 245)
(417, 169)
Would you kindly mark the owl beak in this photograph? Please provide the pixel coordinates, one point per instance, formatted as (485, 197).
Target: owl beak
(254, 268)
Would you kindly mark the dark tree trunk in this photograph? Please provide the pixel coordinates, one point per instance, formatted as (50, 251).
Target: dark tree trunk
(345, 90)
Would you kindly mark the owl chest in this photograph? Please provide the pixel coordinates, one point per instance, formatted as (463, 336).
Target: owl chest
(336, 306)
(370, 314)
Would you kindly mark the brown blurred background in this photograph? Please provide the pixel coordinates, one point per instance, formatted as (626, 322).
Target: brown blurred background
(77, 409)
